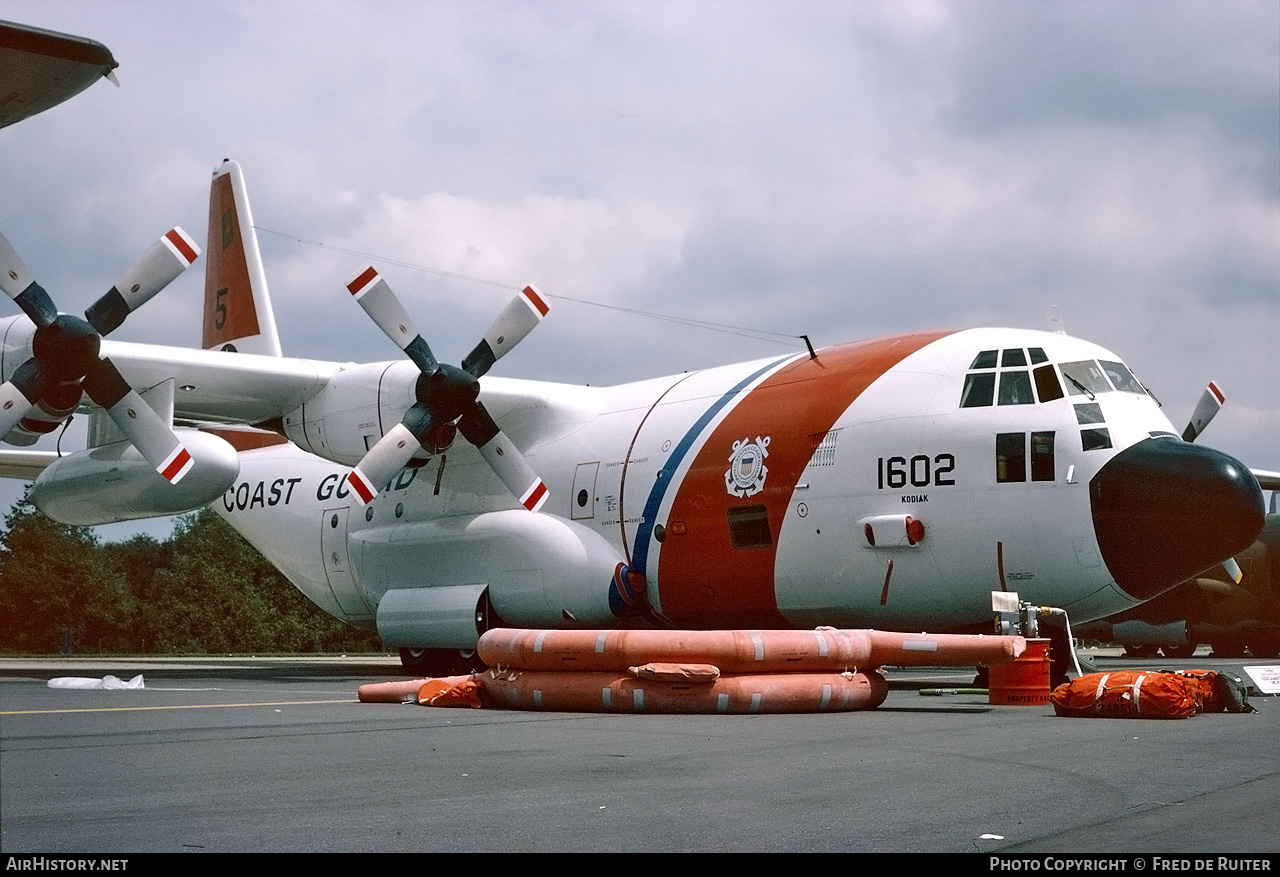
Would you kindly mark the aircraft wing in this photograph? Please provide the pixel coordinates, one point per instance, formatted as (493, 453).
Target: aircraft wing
(25, 465)
(218, 387)
(40, 69)
(1267, 480)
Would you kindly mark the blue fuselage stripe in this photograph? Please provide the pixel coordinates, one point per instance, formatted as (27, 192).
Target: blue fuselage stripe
(640, 559)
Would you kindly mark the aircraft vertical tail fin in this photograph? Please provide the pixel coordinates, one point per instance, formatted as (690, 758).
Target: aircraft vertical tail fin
(237, 306)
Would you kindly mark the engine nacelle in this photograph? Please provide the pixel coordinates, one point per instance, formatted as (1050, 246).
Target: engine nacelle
(113, 482)
(347, 417)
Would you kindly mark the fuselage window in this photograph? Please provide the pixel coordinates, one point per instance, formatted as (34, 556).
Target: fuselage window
(1042, 466)
(1011, 457)
(1089, 412)
(1015, 388)
(1095, 439)
(1122, 378)
(749, 527)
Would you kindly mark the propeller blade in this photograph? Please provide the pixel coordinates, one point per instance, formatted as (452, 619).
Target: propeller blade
(20, 285)
(1233, 569)
(1206, 408)
(504, 458)
(163, 261)
(14, 406)
(374, 295)
(521, 315)
(158, 444)
(391, 454)
(20, 394)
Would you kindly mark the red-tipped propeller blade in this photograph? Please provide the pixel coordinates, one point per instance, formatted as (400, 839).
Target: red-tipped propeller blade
(155, 441)
(157, 268)
(504, 458)
(374, 295)
(391, 454)
(1209, 405)
(520, 317)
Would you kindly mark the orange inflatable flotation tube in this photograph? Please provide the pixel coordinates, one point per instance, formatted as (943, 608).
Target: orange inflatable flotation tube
(824, 650)
(406, 690)
(403, 691)
(604, 691)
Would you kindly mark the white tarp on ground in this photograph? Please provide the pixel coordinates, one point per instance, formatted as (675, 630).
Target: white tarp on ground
(108, 683)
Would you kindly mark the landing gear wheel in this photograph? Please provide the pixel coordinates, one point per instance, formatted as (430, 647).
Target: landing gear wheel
(1228, 648)
(440, 662)
(1265, 645)
(1181, 652)
(1140, 651)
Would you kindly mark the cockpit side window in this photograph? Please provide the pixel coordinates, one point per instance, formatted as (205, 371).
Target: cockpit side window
(979, 390)
(1047, 385)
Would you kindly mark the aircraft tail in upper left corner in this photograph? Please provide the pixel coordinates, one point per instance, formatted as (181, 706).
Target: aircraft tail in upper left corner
(237, 306)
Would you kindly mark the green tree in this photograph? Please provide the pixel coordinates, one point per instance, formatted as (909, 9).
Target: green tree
(202, 590)
(215, 593)
(55, 581)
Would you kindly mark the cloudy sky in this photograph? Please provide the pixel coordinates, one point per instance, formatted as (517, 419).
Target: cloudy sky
(840, 169)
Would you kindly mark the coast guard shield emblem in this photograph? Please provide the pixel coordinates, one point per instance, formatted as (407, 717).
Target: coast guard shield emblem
(747, 471)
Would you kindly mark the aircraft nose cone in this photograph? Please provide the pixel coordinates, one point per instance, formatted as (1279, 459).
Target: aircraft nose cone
(1165, 510)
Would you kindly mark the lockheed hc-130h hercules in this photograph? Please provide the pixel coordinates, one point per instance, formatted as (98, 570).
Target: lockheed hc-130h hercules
(891, 483)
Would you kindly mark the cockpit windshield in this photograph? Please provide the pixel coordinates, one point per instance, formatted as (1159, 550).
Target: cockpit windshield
(1121, 378)
(1002, 377)
(1084, 378)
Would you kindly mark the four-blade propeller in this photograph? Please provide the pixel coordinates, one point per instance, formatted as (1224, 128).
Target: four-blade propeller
(65, 361)
(447, 402)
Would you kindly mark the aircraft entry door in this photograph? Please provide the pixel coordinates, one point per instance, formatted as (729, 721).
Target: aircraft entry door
(337, 565)
(582, 503)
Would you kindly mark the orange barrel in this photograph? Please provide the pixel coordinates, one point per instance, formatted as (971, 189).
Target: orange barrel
(739, 651)
(607, 692)
(1023, 682)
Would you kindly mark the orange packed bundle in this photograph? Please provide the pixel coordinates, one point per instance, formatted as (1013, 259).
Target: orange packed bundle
(1128, 694)
(1218, 692)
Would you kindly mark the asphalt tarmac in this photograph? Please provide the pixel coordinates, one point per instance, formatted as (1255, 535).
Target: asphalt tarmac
(255, 754)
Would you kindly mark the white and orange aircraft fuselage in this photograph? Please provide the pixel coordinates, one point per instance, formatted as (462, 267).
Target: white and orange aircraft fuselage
(891, 483)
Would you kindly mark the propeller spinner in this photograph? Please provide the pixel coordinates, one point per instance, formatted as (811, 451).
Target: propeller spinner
(65, 359)
(447, 396)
